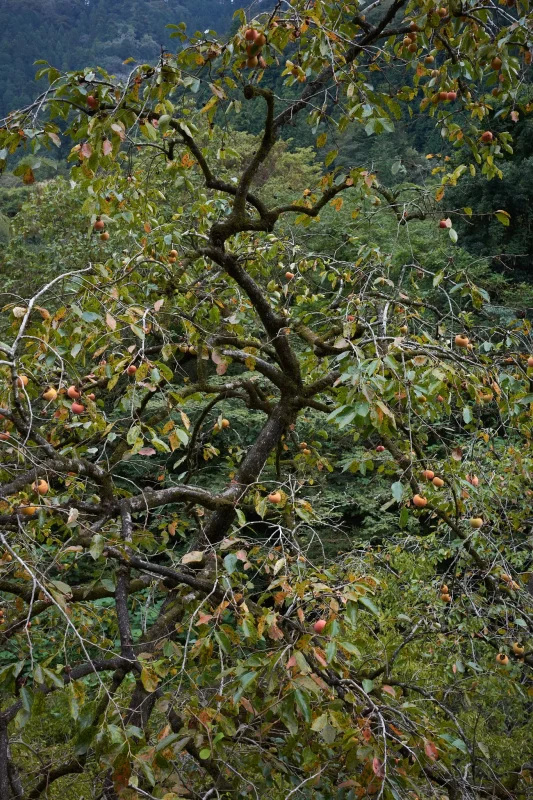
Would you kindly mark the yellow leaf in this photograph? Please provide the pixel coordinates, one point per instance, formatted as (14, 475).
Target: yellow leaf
(28, 176)
(173, 441)
(149, 679)
(209, 105)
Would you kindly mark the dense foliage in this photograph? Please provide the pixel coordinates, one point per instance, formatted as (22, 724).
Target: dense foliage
(265, 436)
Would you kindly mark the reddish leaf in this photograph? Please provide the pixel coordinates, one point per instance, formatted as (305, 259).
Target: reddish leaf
(378, 768)
(396, 730)
(430, 749)
(55, 138)
(121, 772)
(86, 150)
(147, 451)
(275, 633)
(119, 130)
(247, 705)
(320, 656)
(107, 147)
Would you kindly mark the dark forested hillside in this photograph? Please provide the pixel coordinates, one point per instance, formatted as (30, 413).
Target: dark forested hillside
(73, 33)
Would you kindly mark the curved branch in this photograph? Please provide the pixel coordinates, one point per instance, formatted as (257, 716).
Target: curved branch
(74, 767)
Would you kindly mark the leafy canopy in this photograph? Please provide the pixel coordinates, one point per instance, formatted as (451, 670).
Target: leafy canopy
(180, 397)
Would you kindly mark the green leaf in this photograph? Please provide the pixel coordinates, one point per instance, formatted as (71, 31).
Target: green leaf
(367, 602)
(319, 723)
(97, 546)
(230, 563)
(460, 745)
(397, 491)
(303, 666)
(26, 695)
(351, 613)
(504, 217)
(302, 701)
(53, 678)
(64, 588)
(90, 316)
(164, 122)
(350, 648)
(331, 651)
(148, 772)
(288, 718)
(224, 642)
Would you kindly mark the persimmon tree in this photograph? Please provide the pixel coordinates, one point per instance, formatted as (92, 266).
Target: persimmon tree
(164, 586)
